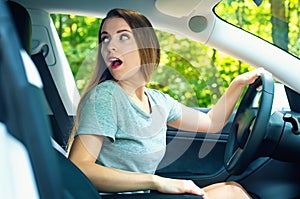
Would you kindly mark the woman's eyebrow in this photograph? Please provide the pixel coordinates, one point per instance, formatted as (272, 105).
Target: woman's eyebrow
(119, 31)
(123, 30)
(103, 33)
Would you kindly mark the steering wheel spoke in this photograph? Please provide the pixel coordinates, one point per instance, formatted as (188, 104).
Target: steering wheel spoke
(249, 125)
(246, 121)
(234, 158)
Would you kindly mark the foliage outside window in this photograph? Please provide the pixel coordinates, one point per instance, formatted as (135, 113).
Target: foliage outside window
(191, 72)
(276, 21)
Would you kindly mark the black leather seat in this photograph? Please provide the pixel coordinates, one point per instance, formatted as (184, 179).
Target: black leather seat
(21, 103)
(23, 24)
(57, 177)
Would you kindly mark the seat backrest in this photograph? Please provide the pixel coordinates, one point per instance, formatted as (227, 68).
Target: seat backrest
(21, 98)
(61, 123)
(23, 24)
(57, 177)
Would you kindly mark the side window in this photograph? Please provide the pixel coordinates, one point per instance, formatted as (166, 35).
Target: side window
(192, 73)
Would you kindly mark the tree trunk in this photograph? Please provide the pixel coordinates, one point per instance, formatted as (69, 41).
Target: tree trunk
(60, 32)
(280, 27)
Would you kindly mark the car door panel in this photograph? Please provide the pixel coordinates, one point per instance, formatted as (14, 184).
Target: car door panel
(193, 153)
(197, 156)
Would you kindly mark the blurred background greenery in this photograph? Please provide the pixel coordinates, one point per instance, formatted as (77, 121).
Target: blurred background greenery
(191, 72)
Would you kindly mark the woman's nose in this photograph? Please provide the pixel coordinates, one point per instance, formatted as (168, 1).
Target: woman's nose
(112, 45)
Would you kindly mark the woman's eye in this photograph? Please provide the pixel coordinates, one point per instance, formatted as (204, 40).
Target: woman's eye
(105, 39)
(124, 37)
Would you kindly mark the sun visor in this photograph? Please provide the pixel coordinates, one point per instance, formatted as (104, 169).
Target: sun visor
(176, 8)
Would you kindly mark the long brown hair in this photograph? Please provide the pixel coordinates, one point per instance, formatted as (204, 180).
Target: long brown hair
(149, 52)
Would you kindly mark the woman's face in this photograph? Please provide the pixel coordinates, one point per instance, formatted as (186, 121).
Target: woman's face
(119, 49)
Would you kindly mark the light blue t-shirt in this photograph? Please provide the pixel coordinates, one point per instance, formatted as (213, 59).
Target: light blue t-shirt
(134, 140)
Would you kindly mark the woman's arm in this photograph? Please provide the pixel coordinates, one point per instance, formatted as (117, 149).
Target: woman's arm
(218, 116)
(83, 154)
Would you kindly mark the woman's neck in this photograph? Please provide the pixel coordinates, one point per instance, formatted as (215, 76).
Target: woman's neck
(136, 92)
(134, 88)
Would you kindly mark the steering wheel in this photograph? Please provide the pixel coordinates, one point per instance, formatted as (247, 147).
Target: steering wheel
(249, 125)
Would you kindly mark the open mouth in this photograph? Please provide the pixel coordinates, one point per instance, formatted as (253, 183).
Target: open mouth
(115, 63)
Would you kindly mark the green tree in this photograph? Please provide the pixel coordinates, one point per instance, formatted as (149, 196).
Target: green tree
(191, 72)
(79, 39)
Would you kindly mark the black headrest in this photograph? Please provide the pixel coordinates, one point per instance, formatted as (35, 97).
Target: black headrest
(23, 24)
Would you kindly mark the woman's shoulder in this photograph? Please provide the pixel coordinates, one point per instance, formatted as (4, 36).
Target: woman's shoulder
(103, 90)
(157, 94)
(103, 93)
(106, 87)
(161, 97)
(154, 92)
(108, 84)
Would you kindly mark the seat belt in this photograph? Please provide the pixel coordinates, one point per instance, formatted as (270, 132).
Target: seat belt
(61, 123)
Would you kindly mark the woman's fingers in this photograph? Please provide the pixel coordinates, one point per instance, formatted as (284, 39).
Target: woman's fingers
(249, 77)
(177, 186)
(191, 188)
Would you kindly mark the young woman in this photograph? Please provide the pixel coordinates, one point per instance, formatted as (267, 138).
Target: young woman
(120, 129)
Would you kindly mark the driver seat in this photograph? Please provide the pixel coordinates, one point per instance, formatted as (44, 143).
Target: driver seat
(74, 184)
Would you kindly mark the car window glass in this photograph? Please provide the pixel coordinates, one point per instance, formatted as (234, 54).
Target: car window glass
(277, 22)
(192, 73)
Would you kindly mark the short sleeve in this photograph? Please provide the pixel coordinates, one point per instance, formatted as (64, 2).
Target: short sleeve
(98, 114)
(172, 107)
(175, 108)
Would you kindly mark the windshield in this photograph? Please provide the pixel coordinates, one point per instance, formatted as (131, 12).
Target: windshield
(275, 21)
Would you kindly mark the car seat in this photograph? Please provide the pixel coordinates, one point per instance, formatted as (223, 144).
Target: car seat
(27, 122)
(20, 91)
